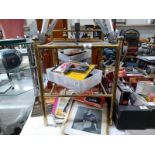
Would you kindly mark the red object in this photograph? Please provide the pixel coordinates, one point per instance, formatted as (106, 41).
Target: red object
(125, 102)
(132, 77)
(132, 52)
(110, 76)
(12, 28)
(85, 101)
(122, 72)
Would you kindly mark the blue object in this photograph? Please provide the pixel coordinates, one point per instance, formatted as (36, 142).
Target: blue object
(109, 53)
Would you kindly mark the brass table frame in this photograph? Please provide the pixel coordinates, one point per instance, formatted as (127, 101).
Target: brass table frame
(64, 45)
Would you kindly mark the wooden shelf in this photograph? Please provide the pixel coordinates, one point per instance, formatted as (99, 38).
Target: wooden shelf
(57, 45)
(80, 40)
(130, 57)
(55, 93)
(81, 30)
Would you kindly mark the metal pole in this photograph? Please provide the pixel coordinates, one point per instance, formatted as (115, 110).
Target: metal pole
(30, 50)
(41, 85)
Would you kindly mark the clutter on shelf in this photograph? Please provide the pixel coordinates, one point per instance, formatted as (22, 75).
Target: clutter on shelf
(75, 76)
(61, 106)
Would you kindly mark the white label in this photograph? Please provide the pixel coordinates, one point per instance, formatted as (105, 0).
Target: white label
(151, 103)
(87, 45)
(143, 107)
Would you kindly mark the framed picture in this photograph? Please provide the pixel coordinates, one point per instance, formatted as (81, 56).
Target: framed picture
(86, 120)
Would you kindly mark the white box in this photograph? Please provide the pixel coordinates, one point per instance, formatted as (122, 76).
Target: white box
(145, 87)
(78, 86)
(78, 57)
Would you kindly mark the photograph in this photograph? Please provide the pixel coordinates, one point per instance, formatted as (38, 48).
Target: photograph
(86, 120)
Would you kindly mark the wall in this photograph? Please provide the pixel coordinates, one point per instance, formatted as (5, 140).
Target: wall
(136, 21)
(146, 30)
(82, 21)
(12, 27)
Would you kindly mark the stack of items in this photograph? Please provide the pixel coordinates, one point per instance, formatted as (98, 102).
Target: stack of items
(136, 101)
(63, 105)
(60, 107)
(78, 77)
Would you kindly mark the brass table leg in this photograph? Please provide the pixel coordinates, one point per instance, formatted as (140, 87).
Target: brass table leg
(114, 87)
(41, 89)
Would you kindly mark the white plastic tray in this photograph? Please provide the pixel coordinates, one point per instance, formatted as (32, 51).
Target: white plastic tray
(78, 86)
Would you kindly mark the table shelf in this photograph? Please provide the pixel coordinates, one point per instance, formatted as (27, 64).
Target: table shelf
(62, 44)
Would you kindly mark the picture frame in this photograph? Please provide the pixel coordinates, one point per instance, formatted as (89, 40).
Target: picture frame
(86, 120)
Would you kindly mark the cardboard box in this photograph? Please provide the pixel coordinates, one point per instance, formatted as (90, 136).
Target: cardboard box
(78, 86)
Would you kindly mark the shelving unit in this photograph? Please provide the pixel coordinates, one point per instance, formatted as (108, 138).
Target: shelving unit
(63, 44)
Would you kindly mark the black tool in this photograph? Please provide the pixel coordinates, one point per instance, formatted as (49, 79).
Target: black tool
(79, 69)
(93, 99)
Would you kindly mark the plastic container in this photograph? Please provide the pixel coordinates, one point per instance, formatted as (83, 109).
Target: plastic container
(78, 86)
(77, 57)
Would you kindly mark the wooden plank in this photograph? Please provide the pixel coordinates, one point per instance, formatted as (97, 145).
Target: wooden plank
(62, 45)
(81, 30)
(75, 95)
(73, 40)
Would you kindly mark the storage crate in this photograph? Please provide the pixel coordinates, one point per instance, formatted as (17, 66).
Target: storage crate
(78, 86)
(77, 57)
